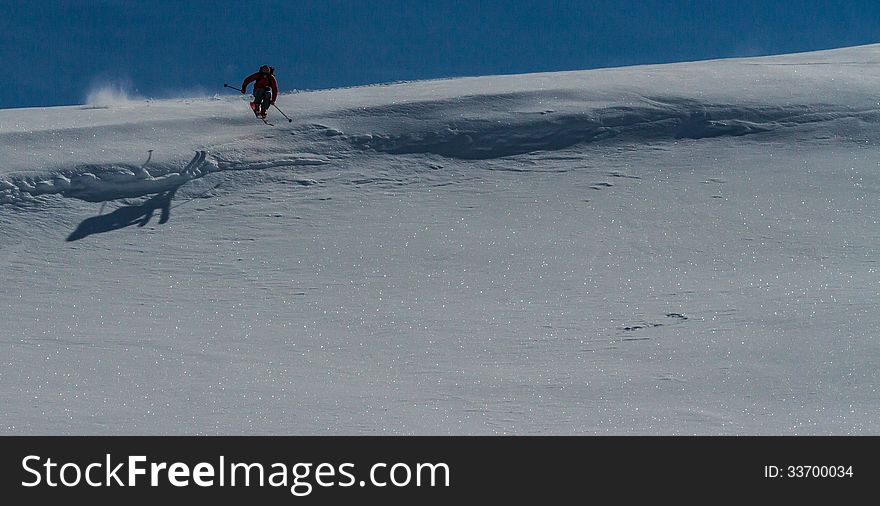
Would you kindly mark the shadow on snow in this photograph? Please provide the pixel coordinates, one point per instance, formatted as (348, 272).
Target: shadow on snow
(126, 216)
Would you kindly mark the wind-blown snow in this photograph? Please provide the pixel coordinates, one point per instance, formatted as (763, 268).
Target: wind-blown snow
(684, 248)
(112, 94)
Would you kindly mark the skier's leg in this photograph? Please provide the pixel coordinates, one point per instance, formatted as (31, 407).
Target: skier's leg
(258, 99)
(267, 101)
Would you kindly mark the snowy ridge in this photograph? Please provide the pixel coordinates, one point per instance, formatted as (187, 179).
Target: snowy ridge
(100, 183)
(666, 118)
(432, 130)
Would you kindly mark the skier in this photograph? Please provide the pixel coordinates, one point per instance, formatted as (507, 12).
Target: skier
(265, 90)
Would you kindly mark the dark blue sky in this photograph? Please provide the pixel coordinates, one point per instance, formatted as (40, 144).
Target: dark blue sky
(53, 51)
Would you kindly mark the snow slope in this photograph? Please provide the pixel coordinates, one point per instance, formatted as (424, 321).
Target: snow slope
(672, 249)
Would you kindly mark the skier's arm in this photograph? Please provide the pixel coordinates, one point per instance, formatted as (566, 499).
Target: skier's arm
(274, 84)
(248, 80)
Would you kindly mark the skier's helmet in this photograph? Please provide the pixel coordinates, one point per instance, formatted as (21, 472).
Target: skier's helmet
(265, 69)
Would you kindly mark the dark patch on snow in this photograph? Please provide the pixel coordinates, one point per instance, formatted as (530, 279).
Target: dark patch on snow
(620, 175)
(632, 328)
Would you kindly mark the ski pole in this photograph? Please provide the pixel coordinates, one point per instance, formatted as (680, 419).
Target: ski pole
(282, 113)
(233, 87)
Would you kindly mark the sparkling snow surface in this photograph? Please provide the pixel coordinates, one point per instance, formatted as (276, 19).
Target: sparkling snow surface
(674, 249)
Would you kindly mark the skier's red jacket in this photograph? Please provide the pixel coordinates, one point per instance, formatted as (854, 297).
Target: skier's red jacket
(262, 81)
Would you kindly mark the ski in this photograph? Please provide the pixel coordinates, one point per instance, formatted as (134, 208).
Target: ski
(254, 108)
